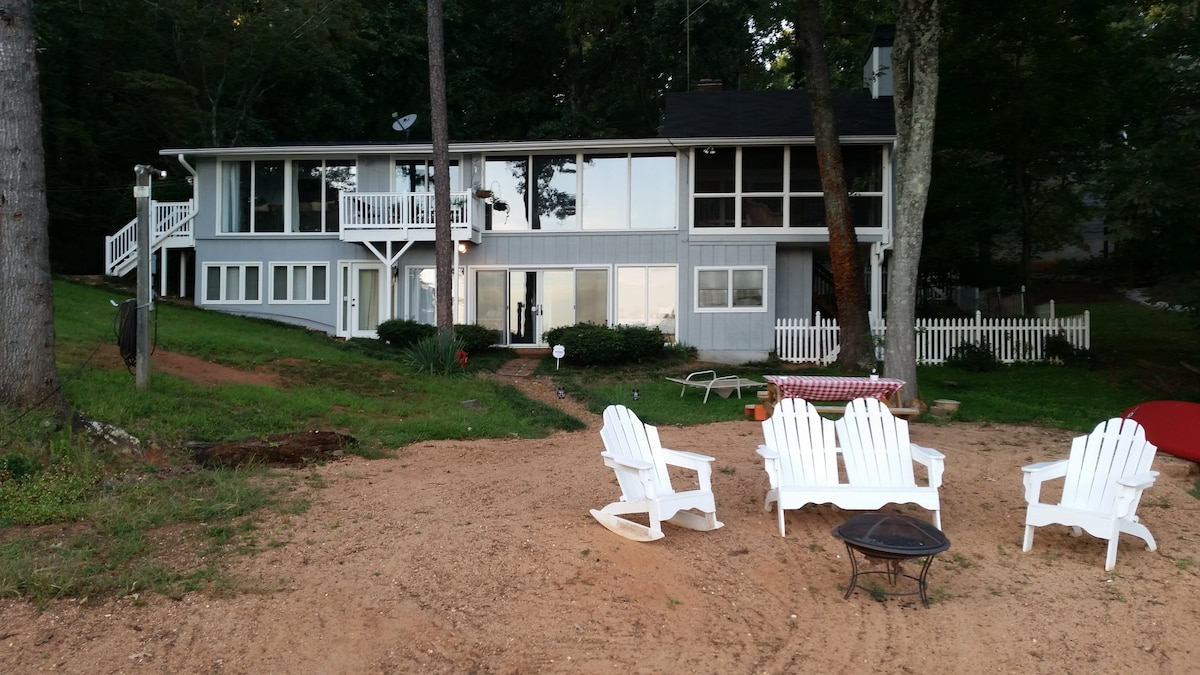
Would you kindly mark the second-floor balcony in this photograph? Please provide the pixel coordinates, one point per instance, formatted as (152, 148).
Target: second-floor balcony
(407, 216)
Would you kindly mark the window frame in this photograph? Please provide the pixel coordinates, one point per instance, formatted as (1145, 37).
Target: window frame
(729, 306)
(224, 266)
(740, 196)
(290, 300)
(290, 208)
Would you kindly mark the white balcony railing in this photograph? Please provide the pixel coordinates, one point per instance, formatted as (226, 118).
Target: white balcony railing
(406, 216)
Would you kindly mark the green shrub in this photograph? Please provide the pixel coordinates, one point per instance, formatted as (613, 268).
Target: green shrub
(1060, 350)
(476, 338)
(436, 355)
(591, 344)
(974, 357)
(403, 333)
(640, 344)
(14, 466)
(587, 343)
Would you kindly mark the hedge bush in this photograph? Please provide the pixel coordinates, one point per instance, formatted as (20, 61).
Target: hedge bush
(592, 344)
(404, 333)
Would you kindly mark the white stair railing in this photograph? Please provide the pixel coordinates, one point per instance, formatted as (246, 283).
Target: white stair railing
(168, 220)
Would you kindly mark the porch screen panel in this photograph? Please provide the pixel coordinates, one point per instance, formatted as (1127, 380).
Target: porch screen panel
(490, 288)
(341, 175)
(268, 196)
(555, 207)
(320, 283)
(422, 285)
(662, 294)
(236, 196)
(300, 282)
(632, 303)
(507, 178)
(591, 296)
(712, 288)
(747, 288)
(558, 300)
(652, 201)
(604, 203)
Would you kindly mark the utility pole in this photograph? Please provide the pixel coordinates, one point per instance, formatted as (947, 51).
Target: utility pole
(145, 285)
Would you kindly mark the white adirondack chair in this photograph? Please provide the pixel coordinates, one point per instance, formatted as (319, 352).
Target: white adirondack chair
(800, 453)
(1104, 477)
(632, 449)
(879, 459)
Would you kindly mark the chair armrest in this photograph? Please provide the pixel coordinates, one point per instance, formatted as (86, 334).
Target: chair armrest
(690, 460)
(1036, 474)
(1138, 481)
(701, 372)
(934, 461)
(767, 452)
(626, 463)
(925, 455)
(1043, 471)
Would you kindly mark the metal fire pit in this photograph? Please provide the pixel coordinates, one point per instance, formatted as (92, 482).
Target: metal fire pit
(892, 538)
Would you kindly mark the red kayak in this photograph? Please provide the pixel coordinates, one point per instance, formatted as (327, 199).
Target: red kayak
(1173, 426)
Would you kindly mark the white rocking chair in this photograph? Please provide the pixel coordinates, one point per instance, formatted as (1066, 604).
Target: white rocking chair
(1105, 475)
(632, 449)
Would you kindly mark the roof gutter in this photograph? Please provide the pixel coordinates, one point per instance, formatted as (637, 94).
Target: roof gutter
(195, 176)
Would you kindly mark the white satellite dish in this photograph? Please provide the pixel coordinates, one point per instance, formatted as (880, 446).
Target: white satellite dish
(403, 123)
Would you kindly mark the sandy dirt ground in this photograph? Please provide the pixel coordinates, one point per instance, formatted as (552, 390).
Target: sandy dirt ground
(481, 557)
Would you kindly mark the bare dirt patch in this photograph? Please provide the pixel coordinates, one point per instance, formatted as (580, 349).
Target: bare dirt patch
(458, 557)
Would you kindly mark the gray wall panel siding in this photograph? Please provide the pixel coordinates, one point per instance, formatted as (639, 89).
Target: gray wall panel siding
(793, 287)
(728, 336)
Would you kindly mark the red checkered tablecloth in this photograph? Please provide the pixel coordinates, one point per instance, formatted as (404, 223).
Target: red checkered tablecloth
(829, 388)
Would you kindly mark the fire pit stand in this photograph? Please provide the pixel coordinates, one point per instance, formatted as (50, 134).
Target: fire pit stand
(893, 539)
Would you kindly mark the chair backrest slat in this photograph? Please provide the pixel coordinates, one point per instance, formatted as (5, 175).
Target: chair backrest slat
(1116, 447)
(626, 436)
(875, 445)
(805, 441)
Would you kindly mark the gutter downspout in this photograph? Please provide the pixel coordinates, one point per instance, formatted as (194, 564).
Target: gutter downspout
(183, 252)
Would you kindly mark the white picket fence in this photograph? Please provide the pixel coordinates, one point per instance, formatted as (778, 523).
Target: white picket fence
(1010, 339)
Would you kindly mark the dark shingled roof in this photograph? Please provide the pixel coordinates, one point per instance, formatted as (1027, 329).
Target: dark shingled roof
(740, 114)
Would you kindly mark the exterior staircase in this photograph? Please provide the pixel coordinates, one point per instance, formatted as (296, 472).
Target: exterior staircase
(170, 227)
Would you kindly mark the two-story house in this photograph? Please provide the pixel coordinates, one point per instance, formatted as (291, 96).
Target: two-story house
(709, 232)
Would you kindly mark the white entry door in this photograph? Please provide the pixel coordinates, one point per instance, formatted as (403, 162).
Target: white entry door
(361, 309)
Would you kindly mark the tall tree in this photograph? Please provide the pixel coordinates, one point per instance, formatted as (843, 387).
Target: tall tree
(28, 374)
(915, 84)
(857, 351)
(443, 245)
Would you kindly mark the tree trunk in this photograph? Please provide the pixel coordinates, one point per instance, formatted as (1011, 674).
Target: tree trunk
(443, 245)
(915, 82)
(857, 351)
(28, 373)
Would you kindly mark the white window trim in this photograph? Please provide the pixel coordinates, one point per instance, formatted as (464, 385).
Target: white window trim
(729, 308)
(290, 265)
(223, 266)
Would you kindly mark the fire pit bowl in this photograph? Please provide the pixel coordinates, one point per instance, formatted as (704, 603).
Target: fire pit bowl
(894, 538)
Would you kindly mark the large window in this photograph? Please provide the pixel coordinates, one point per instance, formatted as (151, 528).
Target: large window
(780, 186)
(231, 283)
(318, 185)
(617, 191)
(300, 283)
(421, 296)
(415, 175)
(731, 289)
(647, 296)
(276, 196)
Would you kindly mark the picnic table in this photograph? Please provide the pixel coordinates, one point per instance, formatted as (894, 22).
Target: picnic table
(829, 388)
